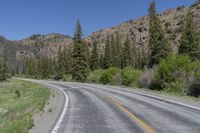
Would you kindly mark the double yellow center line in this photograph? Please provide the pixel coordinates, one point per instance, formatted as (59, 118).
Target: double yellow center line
(146, 127)
(143, 124)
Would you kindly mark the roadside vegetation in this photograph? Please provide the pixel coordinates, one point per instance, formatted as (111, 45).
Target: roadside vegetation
(121, 63)
(19, 101)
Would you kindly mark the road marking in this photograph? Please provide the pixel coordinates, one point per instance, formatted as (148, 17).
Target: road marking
(58, 124)
(142, 123)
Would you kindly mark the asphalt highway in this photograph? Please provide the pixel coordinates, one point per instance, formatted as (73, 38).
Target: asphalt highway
(103, 109)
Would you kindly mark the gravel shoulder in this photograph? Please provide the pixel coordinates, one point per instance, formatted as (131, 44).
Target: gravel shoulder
(45, 120)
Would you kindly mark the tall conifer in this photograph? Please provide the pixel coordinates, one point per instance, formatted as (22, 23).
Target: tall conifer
(190, 43)
(94, 60)
(159, 47)
(80, 56)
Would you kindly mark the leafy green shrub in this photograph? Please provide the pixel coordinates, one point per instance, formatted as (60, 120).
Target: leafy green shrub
(130, 76)
(67, 78)
(18, 94)
(56, 77)
(195, 67)
(94, 76)
(107, 76)
(194, 88)
(194, 80)
(172, 73)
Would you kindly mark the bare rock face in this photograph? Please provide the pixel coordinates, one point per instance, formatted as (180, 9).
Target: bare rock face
(46, 45)
(138, 30)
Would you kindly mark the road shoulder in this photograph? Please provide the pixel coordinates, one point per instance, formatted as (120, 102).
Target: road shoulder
(45, 120)
(169, 97)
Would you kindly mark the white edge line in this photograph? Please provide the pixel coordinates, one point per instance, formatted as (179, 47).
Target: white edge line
(170, 101)
(58, 124)
(152, 96)
(160, 98)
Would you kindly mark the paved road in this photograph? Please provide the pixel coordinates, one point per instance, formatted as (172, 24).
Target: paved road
(100, 109)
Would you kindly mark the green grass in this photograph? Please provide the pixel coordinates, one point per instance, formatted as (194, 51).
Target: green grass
(19, 101)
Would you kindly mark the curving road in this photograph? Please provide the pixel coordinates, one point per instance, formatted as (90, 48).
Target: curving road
(102, 109)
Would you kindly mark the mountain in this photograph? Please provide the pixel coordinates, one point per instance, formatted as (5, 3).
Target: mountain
(137, 30)
(16, 52)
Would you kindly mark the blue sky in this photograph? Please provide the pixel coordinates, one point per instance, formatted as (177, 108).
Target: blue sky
(22, 18)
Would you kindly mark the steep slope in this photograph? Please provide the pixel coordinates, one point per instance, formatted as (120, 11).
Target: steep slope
(40, 45)
(16, 52)
(137, 30)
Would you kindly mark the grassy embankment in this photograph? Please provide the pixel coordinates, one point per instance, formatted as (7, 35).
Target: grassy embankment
(19, 101)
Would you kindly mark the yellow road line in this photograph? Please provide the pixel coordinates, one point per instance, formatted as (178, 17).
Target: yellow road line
(142, 123)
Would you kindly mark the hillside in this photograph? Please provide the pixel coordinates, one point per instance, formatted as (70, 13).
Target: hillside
(136, 30)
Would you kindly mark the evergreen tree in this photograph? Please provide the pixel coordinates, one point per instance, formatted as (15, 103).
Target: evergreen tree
(78, 32)
(80, 56)
(141, 58)
(159, 47)
(126, 56)
(60, 64)
(118, 52)
(67, 55)
(101, 60)
(133, 54)
(94, 59)
(43, 67)
(31, 67)
(190, 43)
(113, 51)
(107, 55)
(3, 74)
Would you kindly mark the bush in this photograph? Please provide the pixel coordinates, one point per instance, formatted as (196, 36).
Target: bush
(194, 80)
(194, 89)
(56, 77)
(67, 78)
(110, 74)
(18, 94)
(172, 73)
(130, 76)
(147, 80)
(195, 67)
(94, 76)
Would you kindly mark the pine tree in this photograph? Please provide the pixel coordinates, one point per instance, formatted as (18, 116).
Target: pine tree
(118, 52)
(80, 53)
(141, 58)
(94, 59)
(3, 74)
(107, 55)
(43, 67)
(159, 47)
(133, 54)
(126, 56)
(67, 55)
(101, 61)
(113, 51)
(190, 43)
(78, 32)
(60, 64)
